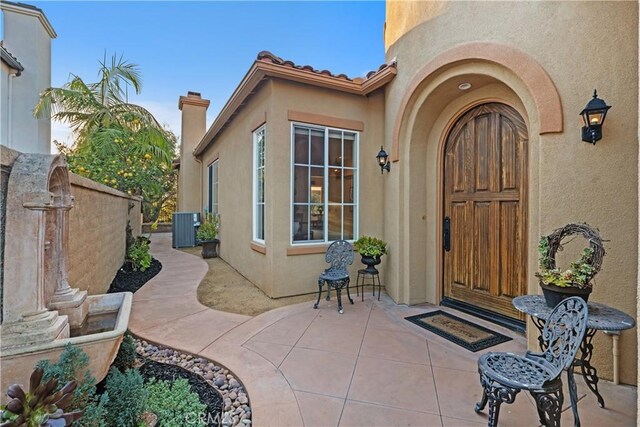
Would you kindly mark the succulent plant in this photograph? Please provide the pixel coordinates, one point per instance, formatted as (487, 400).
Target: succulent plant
(41, 406)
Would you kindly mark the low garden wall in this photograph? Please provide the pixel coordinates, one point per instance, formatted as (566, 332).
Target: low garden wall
(97, 233)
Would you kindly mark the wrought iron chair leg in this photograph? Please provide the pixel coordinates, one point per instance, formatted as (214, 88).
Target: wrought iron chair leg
(379, 286)
(483, 402)
(328, 293)
(551, 405)
(358, 285)
(573, 396)
(348, 294)
(320, 283)
(494, 412)
(339, 295)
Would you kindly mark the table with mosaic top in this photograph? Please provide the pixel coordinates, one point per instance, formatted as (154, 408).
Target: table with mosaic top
(601, 318)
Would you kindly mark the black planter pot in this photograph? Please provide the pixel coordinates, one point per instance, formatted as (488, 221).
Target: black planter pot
(554, 294)
(210, 248)
(371, 263)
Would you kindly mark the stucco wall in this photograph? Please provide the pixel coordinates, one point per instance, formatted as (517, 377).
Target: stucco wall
(276, 272)
(569, 180)
(30, 42)
(97, 233)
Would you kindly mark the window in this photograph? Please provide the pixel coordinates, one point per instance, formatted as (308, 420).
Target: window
(324, 184)
(258, 184)
(212, 205)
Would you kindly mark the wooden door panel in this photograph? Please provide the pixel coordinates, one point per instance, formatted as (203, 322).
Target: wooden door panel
(485, 198)
(482, 247)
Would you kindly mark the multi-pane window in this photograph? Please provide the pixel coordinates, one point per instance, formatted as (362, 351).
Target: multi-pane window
(258, 184)
(325, 184)
(212, 205)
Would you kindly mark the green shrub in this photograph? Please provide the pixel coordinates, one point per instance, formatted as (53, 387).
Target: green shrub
(371, 246)
(209, 227)
(139, 255)
(174, 403)
(72, 366)
(126, 357)
(126, 398)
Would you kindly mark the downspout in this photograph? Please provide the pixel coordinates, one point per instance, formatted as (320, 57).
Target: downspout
(201, 186)
(10, 109)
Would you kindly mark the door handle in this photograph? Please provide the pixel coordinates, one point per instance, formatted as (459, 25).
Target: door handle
(446, 234)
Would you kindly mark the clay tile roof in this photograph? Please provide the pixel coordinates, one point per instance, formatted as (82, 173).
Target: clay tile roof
(266, 56)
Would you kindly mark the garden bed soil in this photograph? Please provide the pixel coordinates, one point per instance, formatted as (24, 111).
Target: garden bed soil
(208, 395)
(127, 280)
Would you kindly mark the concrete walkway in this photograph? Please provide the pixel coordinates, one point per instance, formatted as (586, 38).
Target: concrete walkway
(367, 367)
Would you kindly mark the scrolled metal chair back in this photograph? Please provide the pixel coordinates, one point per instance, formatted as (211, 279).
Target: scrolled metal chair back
(563, 332)
(339, 255)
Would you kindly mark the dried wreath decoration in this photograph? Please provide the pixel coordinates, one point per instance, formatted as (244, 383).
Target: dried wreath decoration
(580, 272)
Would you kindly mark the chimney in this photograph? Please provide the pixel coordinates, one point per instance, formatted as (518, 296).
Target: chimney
(194, 126)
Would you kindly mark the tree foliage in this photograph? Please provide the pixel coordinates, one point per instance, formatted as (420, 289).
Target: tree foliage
(116, 143)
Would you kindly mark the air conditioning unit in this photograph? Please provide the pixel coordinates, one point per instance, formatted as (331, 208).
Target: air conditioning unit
(185, 225)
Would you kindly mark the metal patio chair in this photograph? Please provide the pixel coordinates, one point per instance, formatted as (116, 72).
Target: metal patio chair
(339, 255)
(503, 375)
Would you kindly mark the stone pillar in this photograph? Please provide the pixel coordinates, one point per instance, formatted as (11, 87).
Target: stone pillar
(66, 300)
(194, 122)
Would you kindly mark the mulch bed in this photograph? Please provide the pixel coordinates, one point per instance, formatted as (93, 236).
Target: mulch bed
(208, 395)
(127, 280)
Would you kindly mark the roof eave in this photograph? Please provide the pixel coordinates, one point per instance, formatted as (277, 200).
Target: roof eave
(261, 69)
(12, 62)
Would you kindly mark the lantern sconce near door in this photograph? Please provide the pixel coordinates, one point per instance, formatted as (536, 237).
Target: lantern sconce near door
(593, 115)
(382, 160)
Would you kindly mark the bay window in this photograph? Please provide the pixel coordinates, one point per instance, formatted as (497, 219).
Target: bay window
(324, 184)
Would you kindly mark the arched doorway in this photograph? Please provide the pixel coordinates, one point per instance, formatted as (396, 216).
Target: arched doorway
(485, 182)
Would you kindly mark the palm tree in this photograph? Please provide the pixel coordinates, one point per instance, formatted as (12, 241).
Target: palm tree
(101, 116)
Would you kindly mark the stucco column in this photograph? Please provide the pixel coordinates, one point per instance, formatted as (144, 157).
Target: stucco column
(194, 122)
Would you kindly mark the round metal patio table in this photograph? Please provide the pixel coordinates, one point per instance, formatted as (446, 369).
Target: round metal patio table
(601, 318)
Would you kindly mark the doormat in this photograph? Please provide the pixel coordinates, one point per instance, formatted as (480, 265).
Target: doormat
(460, 331)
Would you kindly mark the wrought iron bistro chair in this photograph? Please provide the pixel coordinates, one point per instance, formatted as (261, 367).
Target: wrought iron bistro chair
(339, 255)
(503, 375)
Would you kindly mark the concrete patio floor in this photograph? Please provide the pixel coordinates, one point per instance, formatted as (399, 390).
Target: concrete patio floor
(367, 367)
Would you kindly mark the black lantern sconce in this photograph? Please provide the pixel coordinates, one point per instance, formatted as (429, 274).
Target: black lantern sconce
(593, 115)
(382, 160)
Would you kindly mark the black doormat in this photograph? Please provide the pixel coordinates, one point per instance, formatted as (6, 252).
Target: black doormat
(460, 331)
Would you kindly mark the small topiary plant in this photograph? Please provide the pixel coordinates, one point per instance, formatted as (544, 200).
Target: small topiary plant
(175, 404)
(126, 357)
(127, 398)
(138, 254)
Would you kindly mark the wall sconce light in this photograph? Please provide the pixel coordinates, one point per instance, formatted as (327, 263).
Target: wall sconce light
(382, 160)
(593, 115)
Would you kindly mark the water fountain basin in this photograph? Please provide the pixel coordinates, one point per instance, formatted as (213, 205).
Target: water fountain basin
(101, 346)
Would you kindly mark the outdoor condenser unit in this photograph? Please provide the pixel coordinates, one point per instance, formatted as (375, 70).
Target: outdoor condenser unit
(185, 225)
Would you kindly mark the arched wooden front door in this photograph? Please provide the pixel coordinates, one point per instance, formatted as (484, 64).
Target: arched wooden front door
(485, 188)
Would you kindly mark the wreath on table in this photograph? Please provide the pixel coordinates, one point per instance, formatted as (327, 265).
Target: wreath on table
(580, 272)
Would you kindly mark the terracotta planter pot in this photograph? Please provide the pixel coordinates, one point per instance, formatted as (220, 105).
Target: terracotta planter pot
(554, 294)
(210, 248)
(371, 263)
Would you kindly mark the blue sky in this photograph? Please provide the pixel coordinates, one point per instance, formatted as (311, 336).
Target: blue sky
(207, 47)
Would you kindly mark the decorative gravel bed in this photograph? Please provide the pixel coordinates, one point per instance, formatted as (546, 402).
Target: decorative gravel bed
(234, 402)
(127, 280)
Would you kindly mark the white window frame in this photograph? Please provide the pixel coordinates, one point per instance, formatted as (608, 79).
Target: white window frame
(326, 166)
(213, 173)
(256, 132)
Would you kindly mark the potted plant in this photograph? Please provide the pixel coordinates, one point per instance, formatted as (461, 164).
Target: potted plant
(558, 284)
(207, 235)
(371, 249)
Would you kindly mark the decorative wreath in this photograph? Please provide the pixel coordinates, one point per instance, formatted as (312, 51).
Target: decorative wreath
(581, 272)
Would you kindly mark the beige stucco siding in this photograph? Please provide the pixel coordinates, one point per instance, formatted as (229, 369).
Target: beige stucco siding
(234, 149)
(569, 180)
(276, 272)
